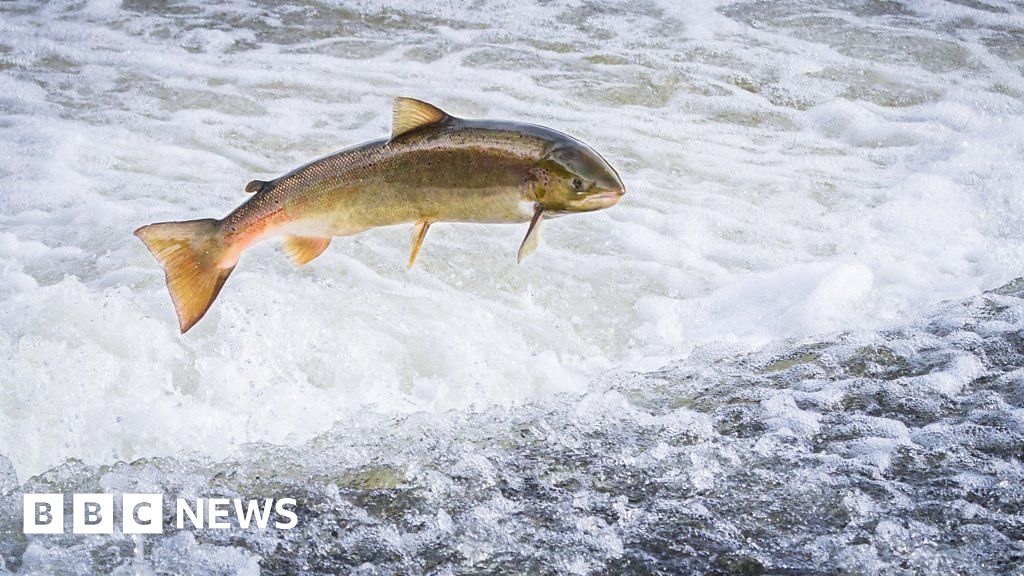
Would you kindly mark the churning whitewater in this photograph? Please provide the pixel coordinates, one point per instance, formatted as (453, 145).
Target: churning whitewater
(793, 347)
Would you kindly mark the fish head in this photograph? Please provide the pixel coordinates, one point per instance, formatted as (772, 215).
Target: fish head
(572, 178)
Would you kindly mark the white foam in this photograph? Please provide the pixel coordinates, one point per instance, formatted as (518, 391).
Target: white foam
(782, 182)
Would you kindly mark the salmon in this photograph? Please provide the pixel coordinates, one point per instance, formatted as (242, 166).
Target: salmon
(433, 168)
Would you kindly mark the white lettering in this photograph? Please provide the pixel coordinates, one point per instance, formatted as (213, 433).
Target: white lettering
(281, 510)
(196, 516)
(142, 513)
(262, 515)
(92, 513)
(42, 513)
(217, 508)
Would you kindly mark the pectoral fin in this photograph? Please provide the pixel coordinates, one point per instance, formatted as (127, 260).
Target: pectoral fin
(418, 234)
(532, 235)
(302, 249)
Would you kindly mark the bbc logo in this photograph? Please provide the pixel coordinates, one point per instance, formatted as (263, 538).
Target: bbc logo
(144, 513)
(93, 513)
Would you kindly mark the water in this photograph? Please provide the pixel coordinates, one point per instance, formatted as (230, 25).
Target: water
(778, 354)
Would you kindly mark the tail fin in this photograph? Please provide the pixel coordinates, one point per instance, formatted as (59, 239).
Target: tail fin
(190, 253)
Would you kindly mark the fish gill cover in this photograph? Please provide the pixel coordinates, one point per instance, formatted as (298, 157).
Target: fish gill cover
(776, 355)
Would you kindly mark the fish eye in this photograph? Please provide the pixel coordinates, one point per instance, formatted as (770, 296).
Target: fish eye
(577, 184)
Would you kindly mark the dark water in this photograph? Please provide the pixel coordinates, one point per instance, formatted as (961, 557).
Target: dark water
(893, 452)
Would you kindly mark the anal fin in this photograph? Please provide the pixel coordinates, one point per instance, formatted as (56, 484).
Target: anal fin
(302, 249)
(418, 234)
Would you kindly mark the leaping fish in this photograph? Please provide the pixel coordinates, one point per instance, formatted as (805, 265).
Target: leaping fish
(433, 168)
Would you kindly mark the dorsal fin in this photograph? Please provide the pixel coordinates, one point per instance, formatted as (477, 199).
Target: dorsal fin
(410, 114)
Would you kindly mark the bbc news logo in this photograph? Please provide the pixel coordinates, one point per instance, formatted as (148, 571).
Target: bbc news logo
(144, 513)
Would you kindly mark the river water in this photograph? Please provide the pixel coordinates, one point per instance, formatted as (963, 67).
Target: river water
(794, 347)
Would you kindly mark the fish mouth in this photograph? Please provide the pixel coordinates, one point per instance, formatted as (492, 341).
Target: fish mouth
(604, 199)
